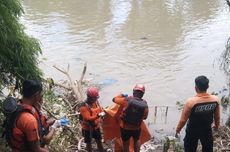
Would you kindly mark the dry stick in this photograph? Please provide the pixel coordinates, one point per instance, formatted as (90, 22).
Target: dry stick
(73, 87)
(58, 84)
(56, 118)
(80, 82)
(155, 114)
(62, 86)
(67, 102)
(49, 112)
(73, 114)
(79, 145)
(75, 105)
(83, 73)
(166, 113)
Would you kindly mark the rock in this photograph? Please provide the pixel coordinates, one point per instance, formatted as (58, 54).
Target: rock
(228, 122)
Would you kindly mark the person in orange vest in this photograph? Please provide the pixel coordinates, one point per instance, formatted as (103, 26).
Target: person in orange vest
(199, 112)
(48, 127)
(25, 135)
(90, 115)
(135, 110)
(23, 124)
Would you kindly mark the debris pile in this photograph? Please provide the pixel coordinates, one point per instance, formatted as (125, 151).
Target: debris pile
(222, 139)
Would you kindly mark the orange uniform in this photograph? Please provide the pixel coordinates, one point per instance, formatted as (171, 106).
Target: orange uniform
(26, 130)
(90, 115)
(200, 103)
(123, 102)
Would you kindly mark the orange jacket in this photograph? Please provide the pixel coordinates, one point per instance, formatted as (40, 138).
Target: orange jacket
(89, 114)
(122, 101)
(200, 98)
(111, 122)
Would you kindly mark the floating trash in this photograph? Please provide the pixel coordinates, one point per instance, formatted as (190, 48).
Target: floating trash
(108, 81)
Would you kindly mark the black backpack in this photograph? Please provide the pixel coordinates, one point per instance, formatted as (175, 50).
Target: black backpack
(134, 112)
(12, 111)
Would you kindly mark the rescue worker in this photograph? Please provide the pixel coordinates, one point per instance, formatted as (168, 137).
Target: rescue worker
(134, 111)
(47, 127)
(199, 111)
(91, 112)
(26, 135)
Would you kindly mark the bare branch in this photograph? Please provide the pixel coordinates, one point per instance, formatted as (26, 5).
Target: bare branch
(62, 86)
(79, 145)
(83, 73)
(50, 113)
(59, 69)
(76, 88)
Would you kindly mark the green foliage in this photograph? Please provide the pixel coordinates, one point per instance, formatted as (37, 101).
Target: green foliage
(171, 145)
(3, 144)
(225, 102)
(180, 105)
(18, 51)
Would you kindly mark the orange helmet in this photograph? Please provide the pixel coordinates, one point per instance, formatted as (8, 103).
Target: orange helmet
(139, 87)
(92, 92)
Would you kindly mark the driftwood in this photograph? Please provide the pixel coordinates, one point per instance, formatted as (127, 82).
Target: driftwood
(70, 95)
(73, 87)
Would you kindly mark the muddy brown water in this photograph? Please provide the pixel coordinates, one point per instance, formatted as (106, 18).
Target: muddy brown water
(163, 44)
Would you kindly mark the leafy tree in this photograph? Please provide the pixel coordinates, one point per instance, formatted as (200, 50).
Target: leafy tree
(18, 51)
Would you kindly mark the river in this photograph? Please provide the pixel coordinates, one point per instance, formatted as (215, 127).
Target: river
(163, 44)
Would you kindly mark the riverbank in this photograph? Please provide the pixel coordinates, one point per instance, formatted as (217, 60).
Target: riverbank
(221, 143)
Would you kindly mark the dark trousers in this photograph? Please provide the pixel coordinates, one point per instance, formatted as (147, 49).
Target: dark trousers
(191, 142)
(88, 135)
(127, 134)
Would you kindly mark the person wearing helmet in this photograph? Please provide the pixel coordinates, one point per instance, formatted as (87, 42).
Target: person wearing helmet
(134, 111)
(90, 114)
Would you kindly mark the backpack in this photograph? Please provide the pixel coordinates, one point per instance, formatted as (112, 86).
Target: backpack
(12, 111)
(134, 112)
(80, 116)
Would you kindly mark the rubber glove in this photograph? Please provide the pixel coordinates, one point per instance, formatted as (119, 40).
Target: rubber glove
(60, 122)
(101, 114)
(124, 94)
(64, 121)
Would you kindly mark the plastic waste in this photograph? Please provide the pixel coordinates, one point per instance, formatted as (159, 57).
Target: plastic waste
(64, 121)
(108, 81)
(124, 94)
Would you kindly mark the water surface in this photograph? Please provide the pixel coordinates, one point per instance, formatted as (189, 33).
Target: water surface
(163, 44)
